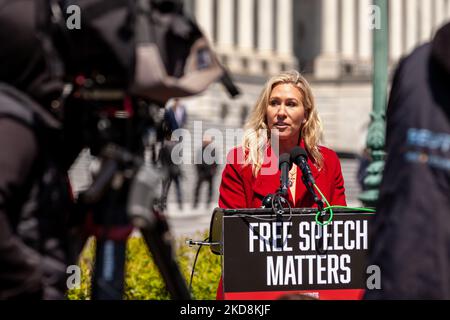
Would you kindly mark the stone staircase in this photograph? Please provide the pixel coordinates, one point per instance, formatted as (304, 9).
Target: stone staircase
(352, 189)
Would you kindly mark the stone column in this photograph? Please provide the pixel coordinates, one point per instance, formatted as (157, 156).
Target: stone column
(266, 27)
(365, 33)
(411, 14)
(439, 14)
(245, 25)
(245, 36)
(426, 22)
(396, 30)
(225, 33)
(205, 15)
(348, 29)
(285, 35)
(284, 27)
(225, 25)
(327, 64)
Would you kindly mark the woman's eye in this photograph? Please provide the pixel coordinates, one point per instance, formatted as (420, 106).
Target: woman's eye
(273, 103)
(291, 104)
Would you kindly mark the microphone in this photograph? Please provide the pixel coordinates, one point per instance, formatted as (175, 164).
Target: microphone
(267, 201)
(300, 158)
(284, 164)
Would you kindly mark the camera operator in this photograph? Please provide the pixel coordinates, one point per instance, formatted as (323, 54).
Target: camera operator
(62, 90)
(35, 195)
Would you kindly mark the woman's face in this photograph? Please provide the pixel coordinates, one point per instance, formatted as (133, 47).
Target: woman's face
(285, 112)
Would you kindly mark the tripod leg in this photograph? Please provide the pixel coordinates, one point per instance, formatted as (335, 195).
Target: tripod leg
(111, 230)
(155, 230)
(108, 276)
(165, 191)
(158, 239)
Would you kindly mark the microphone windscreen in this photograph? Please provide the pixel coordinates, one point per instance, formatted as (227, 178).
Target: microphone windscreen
(298, 152)
(284, 158)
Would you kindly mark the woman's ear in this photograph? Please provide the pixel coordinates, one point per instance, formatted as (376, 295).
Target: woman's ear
(306, 117)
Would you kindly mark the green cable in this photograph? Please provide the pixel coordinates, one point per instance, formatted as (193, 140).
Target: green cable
(354, 208)
(327, 208)
(330, 208)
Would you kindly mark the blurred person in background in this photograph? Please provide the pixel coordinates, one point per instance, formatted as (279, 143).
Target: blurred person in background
(175, 115)
(174, 174)
(206, 170)
(175, 118)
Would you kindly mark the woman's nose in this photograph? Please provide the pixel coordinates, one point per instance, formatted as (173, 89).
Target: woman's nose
(281, 110)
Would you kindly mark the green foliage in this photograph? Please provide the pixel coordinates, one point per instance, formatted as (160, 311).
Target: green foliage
(143, 280)
(85, 263)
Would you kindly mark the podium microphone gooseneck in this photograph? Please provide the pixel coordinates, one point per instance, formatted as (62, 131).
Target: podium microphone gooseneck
(300, 158)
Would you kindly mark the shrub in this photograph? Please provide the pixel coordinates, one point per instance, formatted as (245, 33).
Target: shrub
(142, 278)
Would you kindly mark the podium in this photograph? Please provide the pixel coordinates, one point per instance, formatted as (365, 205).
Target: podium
(266, 256)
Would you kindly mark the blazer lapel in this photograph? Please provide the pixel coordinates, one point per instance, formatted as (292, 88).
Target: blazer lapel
(268, 180)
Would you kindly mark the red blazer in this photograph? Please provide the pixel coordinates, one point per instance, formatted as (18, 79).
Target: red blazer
(240, 189)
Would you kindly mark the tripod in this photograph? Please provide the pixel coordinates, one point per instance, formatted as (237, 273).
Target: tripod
(124, 193)
(124, 196)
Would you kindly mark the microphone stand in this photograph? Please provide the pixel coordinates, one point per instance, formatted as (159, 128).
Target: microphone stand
(310, 188)
(275, 202)
(320, 205)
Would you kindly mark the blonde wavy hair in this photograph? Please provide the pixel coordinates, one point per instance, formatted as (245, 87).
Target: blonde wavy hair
(257, 133)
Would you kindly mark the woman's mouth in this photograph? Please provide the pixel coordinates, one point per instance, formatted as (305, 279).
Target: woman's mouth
(281, 125)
